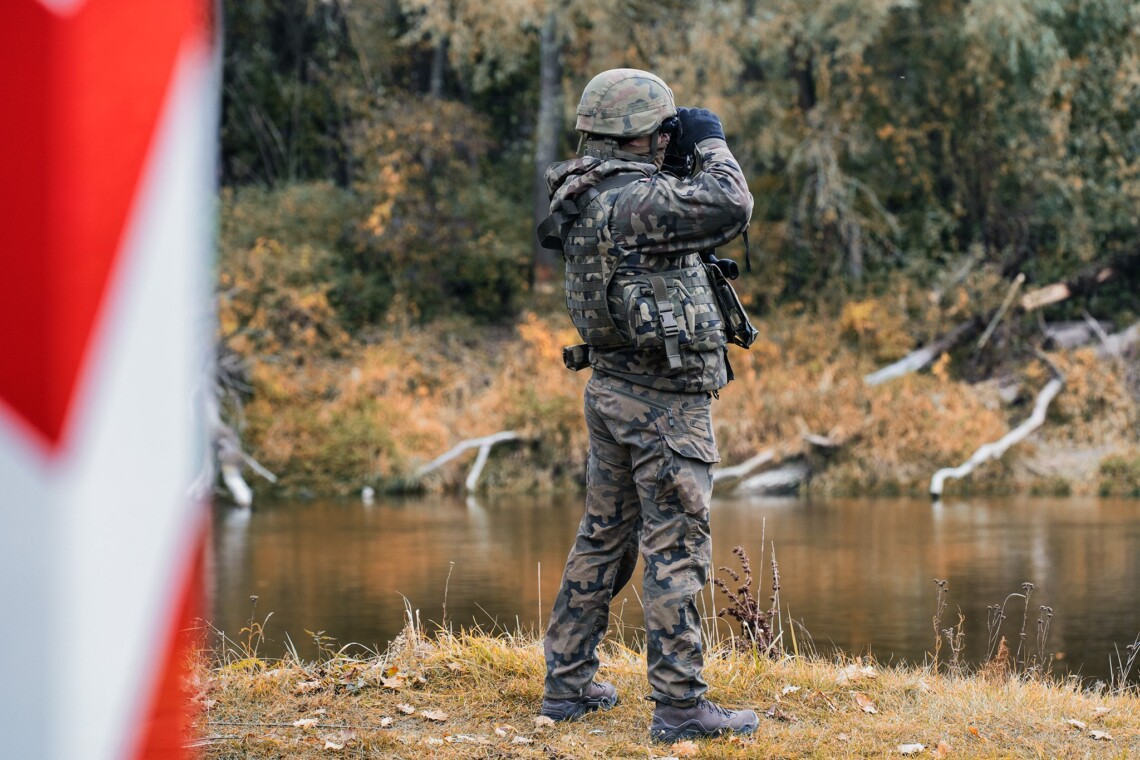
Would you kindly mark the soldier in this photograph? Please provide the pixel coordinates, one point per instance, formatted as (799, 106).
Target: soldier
(642, 300)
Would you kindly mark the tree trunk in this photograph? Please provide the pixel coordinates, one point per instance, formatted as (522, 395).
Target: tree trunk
(547, 132)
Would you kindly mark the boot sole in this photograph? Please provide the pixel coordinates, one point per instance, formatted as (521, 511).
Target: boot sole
(688, 731)
(580, 709)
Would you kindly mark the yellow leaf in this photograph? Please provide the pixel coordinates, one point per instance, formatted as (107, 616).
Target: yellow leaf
(865, 703)
(685, 749)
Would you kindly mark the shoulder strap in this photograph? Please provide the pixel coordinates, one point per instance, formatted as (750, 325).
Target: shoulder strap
(552, 230)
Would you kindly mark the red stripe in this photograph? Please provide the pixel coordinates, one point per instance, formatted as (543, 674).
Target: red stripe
(165, 729)
(80, 98)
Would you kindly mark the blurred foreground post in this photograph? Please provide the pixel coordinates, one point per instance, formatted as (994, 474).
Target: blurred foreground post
(108, 122)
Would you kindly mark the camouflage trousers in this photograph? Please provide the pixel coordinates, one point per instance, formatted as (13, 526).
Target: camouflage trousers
(649, 482)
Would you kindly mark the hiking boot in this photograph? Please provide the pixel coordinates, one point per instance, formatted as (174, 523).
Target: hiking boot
(672, 724)
(599, 695)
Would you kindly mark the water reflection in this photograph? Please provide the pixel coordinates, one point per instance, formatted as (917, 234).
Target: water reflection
(858, 574)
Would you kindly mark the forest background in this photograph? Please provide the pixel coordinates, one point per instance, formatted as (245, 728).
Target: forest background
(921, 169)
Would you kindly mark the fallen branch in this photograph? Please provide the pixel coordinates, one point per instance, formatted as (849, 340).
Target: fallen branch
(745, 468)
(484, 445)
(783, 480)
(1001, 311)
(997, 449)
(916, 360)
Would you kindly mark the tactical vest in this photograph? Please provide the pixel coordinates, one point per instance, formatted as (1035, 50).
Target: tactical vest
(621, 298)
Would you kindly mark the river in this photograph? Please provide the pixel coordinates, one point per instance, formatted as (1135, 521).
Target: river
(858, 576)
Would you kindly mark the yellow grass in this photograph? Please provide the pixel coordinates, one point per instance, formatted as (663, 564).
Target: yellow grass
(468, 695)
(371, 414)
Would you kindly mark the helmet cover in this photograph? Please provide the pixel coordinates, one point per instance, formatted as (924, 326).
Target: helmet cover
(624, 103)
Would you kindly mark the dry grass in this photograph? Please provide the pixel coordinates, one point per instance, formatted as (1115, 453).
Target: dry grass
(468, 695)
(371, 414)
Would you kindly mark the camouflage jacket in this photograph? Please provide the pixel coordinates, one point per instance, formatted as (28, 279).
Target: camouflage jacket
(656, 224)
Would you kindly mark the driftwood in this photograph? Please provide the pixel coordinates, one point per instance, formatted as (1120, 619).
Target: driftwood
(783, 480)
(1066, 335)
(484, 445)
(1117, 344)
(1082, 282)
(997, 449)
(916, 360)
(744, 469)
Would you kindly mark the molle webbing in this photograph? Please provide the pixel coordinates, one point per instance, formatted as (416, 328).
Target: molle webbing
(552, 231)
(589, 270)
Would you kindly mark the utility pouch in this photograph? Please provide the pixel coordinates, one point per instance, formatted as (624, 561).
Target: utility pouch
(576, 357)
(736, 325)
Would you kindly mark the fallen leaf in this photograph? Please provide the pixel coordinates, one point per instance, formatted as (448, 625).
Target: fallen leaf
(306, 686)
(789, 690)
(395, 682)
(330, 744)
(864, 702)
(843, 738)
(854, 672)
(911, 749)
(685, 749)
(943, 749)
(385, 722)
(1077, 724)
(320, 711)
(542, 721)
(1100, 736)
(775, 713)
(406, 709)
(305, 722)
(1100, 712)
(391, 670)
(436, 715)
(466, 739)
(433, 742)
(973, 730)
(505, 729)
(521, 740)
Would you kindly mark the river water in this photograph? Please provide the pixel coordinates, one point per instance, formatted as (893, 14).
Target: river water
(858, 576)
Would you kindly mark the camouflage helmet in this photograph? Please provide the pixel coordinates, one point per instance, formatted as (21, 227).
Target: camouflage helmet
(624, 103)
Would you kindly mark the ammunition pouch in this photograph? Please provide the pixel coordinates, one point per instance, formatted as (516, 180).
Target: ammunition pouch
(672, 311)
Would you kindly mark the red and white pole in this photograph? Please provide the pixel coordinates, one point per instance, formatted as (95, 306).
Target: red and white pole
(108, 123)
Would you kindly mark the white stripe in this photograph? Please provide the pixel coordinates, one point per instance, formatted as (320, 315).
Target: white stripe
(93, 542)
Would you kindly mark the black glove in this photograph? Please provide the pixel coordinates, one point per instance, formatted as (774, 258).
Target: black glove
(697, 124)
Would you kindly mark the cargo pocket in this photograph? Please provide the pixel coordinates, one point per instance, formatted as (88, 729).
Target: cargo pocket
(686, 479)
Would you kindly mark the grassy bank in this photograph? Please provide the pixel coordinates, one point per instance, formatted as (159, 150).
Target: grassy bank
(373, 413)
(471, 695)
(343, 369)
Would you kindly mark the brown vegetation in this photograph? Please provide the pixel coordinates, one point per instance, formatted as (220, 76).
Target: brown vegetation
(372, 414)
(470, 695)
